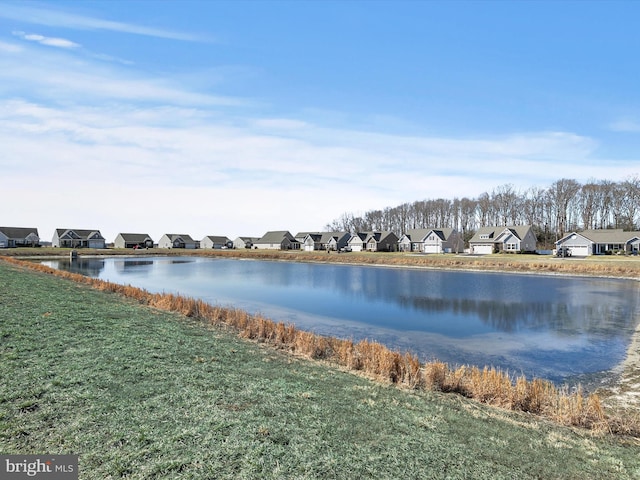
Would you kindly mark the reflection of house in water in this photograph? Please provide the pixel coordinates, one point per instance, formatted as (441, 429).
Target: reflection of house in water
(125, 266)
(503, 316)
(91, 267)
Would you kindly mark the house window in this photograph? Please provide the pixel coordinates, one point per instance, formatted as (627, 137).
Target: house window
(512, 246)
(484, 236)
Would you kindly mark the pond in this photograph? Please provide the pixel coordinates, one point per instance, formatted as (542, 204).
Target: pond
(566, 329)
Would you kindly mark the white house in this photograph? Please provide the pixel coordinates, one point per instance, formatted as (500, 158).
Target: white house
(277, 240)
(74, 238)
(514, 239)
(599, 242)
(373, 242)
(215, 242)
(325, 241)
(133, 240)
(431, 240)
(357, 241)
(18, 237)
(244, 242)
(175, 240)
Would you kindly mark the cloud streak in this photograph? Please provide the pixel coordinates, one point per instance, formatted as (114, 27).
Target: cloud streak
(58, 76)
(57, 18)
(49, 41)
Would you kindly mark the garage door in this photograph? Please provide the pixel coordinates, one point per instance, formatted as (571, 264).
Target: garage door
(431, 249)
(482, 249)
(579, 250)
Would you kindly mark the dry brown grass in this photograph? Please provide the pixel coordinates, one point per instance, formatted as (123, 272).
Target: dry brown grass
(487, 385)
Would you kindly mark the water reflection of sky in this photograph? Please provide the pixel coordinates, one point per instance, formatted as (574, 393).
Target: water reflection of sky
(556, 327)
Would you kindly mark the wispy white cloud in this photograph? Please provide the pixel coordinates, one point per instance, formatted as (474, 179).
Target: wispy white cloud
(59, 76)
(41, 15)
(49, 41)
(625, 125)
(9, 47)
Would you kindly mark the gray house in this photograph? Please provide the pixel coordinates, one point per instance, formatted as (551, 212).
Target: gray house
(514, 239)
(599, 242)
(133, 240)
(215, 242)
(74, 238)
(431, 240)
(175, 240)
(277, 240)
(18, 237)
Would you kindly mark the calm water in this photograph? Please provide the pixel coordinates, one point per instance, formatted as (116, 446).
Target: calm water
(566, 329)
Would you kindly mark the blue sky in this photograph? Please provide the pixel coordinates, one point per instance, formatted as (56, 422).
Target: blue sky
(234, 118)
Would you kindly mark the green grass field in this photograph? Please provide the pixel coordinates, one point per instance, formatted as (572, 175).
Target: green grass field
(141, 393)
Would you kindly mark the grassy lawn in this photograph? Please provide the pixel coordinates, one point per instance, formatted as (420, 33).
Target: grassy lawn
(141, 393)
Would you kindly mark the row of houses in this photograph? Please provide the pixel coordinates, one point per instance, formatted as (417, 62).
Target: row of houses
(487, 240)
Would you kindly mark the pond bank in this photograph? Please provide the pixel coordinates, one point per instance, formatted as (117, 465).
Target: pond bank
(625, 394)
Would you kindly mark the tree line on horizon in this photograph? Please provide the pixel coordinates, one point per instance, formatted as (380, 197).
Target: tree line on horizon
(565, 206)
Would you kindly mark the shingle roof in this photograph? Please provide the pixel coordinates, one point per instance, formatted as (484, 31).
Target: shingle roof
(18, 232)
(607, 235)
(135, 237)
(185, 238)
(217, 239)
(276, 236)
(81, 233)
(327, 236)
(520, 231)
(417, 234)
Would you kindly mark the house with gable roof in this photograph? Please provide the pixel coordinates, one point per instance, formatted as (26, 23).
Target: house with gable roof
(599, 242)
(215, 242)
(177, 240)
(382, 242)
(74, 238)
(244, 242)
(357, 241)
(325, 241)
(431, 240)
(11, 237)
(513, 239)
(133, 240)
(373, 242)
(277, 240)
